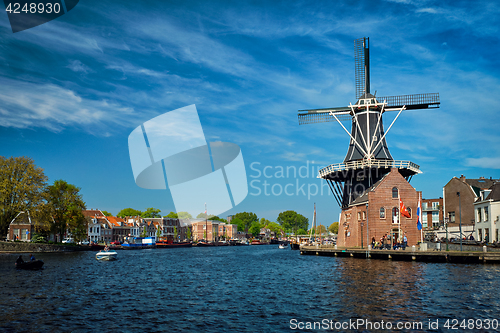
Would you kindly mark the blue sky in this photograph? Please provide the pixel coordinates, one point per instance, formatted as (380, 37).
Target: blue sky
(73, 89)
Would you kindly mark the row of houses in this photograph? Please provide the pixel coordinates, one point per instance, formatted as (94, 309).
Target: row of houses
(472, 203)
(108, 229)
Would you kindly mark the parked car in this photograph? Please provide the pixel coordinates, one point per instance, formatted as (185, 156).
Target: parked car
(68, 241)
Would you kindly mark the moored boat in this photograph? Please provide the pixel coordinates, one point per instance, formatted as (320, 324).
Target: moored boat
(166, 244)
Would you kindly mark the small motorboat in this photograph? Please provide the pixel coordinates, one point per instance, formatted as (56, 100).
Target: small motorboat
(106, 255)
(283, 246)
(33, 264)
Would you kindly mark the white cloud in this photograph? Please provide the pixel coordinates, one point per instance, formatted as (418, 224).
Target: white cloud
(78, 66)
(31, 105)
(484, 162)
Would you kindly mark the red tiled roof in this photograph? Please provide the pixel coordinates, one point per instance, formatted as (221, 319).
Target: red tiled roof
(92, 213)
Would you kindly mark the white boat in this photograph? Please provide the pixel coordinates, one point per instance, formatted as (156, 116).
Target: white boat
(283, 246)
(106, 255)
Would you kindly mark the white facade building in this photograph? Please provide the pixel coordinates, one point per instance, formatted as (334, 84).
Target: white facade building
(487, 215)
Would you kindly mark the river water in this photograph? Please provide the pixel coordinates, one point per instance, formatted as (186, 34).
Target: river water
(242, 289)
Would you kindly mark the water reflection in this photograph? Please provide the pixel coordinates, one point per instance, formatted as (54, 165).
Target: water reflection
(247, 289)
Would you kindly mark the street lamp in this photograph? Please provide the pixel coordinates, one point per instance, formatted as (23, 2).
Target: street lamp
(460, 212)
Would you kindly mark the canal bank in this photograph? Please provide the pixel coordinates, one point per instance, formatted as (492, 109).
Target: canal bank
(410, 254)
(25, 247)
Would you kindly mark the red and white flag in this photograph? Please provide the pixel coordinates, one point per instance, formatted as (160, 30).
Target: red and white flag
(402, 209)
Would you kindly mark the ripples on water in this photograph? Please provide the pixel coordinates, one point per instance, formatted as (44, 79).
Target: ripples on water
(238, 289)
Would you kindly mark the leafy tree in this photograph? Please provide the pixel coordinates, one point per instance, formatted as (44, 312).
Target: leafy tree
(321, 229)
(172, 215)
(151, 213)
(274, 227)
(158, 233)
(184, 215)
(106, 213)
(204, 216)
(239, 223)
(255, 228)
(66, 204)
(22, 186)
(302, 231)
(334, 228)
(188, 233)
(175, 233)
(129, 212)
(291, 220)
(247, 218)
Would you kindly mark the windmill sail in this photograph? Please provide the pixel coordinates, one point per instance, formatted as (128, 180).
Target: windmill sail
(362, 66)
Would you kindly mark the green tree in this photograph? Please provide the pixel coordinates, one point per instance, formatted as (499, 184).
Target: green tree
(292, 221)
(321, 229)
(216, 218)
(255, 228)
(106, 213)
(334, 228)
(172, 215)
(184, 215)
(247, 218)
(275, 227)
(188, 232)
(129, 212)
(158, 233)
(204, 216)
(175, 233)
(239, 223)
(22, 187)
(66, 204)
(302, 231)
(151, 213)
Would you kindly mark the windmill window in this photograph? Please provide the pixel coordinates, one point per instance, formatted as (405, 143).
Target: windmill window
(409, 210)
(382, 213)
(395, 192)
(362, 102)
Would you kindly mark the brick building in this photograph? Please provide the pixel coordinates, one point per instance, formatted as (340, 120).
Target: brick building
(381, 216)
(432, 213)
(21, 227)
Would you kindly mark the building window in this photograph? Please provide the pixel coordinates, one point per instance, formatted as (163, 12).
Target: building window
(424, 220)
(479, 215)
(479, 235)
(452, 217)
(409, 210)
(364, 215)
(395, 192)
(435, 219)
(359, 216)
(424, 205)
(435, 205)
(486, 215)
(395, 215)
(382, 213)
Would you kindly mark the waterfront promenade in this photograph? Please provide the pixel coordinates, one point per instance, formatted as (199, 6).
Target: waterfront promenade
(410, 254)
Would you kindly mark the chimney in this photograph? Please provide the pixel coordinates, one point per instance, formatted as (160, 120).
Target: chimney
(462, 178)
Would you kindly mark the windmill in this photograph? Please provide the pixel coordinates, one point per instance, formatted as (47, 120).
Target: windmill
(368, 158)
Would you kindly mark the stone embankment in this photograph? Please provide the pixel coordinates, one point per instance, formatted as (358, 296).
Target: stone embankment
(25, 247)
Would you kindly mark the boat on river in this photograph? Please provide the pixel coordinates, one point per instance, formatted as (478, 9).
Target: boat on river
(283, 246)
(106, 255)
(32, 265)
(165, 244)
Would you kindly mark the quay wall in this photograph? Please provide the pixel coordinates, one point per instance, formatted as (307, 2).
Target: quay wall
(456, 247)
(26, 247)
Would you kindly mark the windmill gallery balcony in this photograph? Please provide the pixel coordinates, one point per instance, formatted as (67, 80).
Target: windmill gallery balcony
(334, 170)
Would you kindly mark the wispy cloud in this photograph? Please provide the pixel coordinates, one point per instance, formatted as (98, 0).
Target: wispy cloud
(32, 105)
(484, 162)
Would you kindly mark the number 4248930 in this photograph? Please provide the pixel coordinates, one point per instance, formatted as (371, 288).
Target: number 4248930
(40, 8)
(471, 324)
